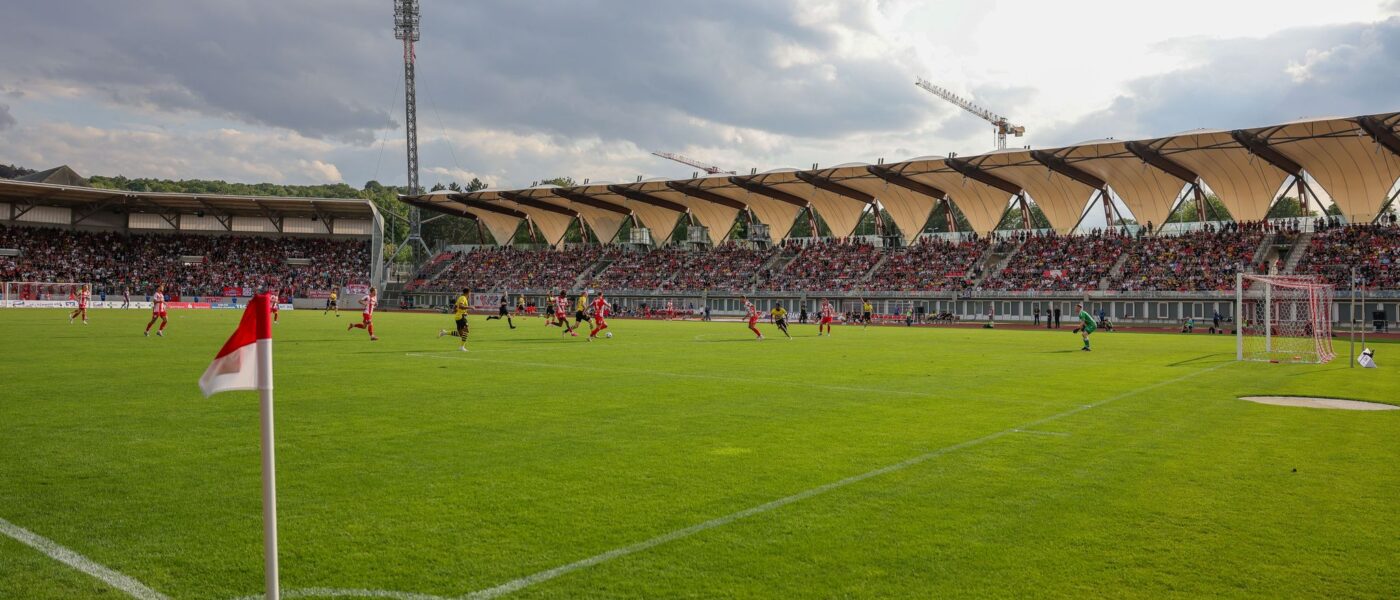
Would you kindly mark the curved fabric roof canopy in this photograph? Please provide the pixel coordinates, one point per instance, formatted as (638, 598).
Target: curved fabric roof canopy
(1355, 160)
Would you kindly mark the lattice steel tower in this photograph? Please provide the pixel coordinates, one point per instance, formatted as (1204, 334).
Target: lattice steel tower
(406, 20)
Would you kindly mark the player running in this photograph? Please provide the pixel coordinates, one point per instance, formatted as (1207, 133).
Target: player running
(369, 301)
(581, 310)
(84, 294)
(520, 305)
(157, 311)
(126, 297)
(272, 303)
(459, 312)
(866, 310)
(753, 315)
(502, 312)
(779, 317)
(828, 314)
(601, 309)
(1086, 327)
(331, 304)
(561, 317)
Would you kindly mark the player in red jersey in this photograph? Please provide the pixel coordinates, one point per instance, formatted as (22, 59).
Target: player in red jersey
(158, 311)
(828, 314)
(601, 309)
(369, 301)
(84, 294)
(753, 315)
(561, 314)
(670, 310)
(272, 302)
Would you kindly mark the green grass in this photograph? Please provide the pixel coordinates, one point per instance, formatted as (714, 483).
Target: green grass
(405, 465)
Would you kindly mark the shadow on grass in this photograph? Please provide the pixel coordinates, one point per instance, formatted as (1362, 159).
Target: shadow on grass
(1202, 359)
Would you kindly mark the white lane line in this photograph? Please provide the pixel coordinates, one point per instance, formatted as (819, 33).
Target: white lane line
(543, 576)
(729, 378)
(346, 593)
(53, 550)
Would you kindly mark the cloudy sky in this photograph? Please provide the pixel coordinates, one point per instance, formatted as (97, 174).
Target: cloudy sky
(512, 91)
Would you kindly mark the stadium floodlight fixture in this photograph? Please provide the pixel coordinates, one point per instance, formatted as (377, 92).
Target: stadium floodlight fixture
(406, 20)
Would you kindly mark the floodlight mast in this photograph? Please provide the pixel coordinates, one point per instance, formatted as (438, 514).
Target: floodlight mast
(406, 20)
(1002, 125)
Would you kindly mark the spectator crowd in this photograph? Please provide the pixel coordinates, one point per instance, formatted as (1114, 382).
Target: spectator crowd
(188, 264)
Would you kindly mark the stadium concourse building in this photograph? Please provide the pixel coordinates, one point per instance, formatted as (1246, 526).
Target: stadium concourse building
(61, 198)
(1350, 162)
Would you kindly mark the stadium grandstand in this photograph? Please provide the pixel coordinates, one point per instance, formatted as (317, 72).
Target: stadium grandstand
(1141, 268)
(206, 249)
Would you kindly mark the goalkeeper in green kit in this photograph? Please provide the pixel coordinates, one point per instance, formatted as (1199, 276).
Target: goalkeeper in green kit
(1087, 325)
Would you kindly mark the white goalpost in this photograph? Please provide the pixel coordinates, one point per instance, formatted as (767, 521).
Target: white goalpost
(1283, 318)
(40, 294)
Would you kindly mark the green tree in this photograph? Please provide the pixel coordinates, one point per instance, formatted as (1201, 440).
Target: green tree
(1012, 218)
(938, 219)
(1289, 207)
(1186, 211)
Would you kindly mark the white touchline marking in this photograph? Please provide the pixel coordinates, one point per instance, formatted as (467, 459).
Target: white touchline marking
(1033, 432)
(731, 378)
(543, 576)
(50, 548)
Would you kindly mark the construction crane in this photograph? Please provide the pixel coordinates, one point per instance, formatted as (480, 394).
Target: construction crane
(1003, 126)
(711, 169)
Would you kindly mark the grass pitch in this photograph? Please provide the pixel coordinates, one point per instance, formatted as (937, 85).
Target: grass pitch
(887, 462)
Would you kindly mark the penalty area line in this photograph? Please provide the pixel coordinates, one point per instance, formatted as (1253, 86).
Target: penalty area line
(52, 549)
(543, 576)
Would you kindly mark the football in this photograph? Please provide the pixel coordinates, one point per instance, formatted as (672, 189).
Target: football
(608, 334)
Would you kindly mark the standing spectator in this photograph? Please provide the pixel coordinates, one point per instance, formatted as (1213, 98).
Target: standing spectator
(1057, 317)
(1037, 315)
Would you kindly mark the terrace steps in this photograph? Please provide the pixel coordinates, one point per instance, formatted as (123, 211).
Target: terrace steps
(992, 263)
(1115, 273)
(1297, 252)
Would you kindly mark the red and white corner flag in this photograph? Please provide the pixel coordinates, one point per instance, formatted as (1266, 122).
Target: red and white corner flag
(245, 363)
(236, 367)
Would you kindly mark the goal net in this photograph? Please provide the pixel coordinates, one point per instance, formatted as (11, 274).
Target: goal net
(1283, 318)
(40, 294)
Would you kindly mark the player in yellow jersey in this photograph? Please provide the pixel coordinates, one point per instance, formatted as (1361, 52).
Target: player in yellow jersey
(459, 312)
(866, 309)
(779, 317)
(581, 310)
(331, 305)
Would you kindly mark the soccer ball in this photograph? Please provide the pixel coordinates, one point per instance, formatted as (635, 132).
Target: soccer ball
(607, 334)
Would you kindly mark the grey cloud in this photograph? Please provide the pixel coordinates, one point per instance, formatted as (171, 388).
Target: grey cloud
(1341, 70)
(627, 69)
(645, 71)
(6, 119)
(305, 66)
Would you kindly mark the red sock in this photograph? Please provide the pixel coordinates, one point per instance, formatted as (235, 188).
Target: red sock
(370, 327)
(755, 331)
(162, 325)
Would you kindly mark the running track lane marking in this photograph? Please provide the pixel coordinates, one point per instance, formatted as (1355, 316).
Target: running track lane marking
(543, 576)
(50, 548)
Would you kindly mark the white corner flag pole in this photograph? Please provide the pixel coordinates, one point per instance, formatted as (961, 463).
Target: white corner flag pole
(269, 470)
(245, 363)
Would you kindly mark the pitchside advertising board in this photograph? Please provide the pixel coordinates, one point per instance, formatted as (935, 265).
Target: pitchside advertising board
(212, 303)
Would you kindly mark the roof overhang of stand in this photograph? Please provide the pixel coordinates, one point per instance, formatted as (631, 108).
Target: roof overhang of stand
(88, 200)
(1355, 160)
